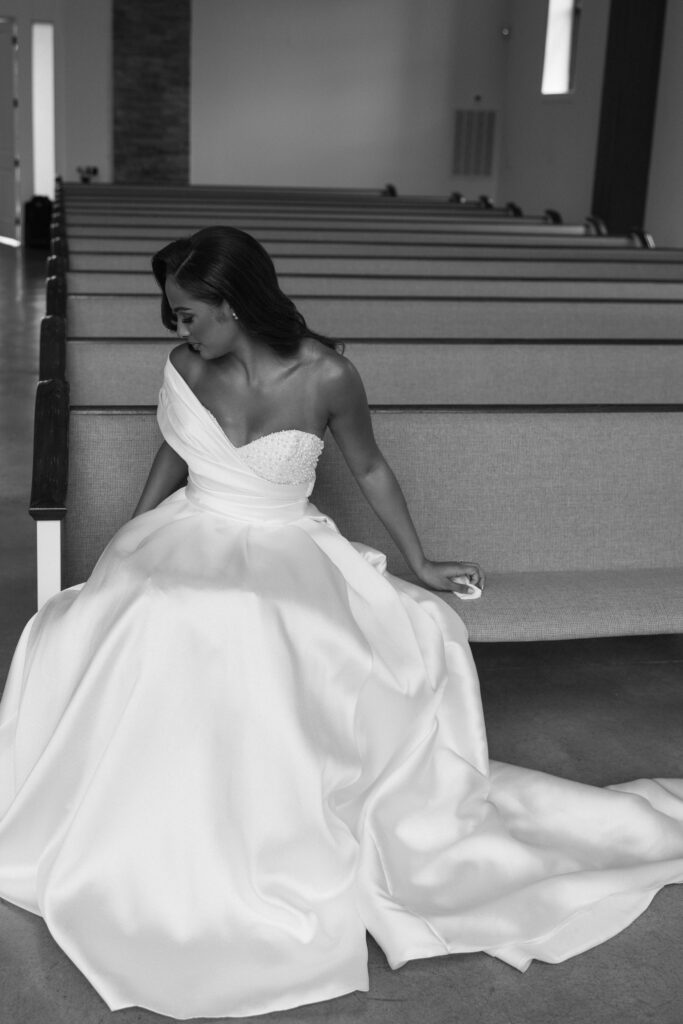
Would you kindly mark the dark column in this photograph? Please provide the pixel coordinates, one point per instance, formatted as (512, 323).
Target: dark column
(151, 91)
(629, 95)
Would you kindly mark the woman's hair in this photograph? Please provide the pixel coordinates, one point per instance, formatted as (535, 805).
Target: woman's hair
(225, 264)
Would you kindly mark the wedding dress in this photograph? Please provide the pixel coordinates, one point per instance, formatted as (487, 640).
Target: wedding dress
(241, 743)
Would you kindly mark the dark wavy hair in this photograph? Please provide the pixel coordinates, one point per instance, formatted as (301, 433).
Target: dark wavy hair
(225, 264)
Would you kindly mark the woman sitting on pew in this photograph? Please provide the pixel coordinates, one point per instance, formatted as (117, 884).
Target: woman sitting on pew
(242, 742)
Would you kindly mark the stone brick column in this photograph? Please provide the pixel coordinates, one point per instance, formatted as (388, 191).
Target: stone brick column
(151, 62)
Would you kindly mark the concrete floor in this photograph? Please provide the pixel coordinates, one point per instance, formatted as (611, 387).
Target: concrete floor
(599, 711)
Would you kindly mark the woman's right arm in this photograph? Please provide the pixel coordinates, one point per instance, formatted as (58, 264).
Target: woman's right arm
(167, 474)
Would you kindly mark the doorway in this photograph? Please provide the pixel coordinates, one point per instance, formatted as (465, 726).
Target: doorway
(10, 209)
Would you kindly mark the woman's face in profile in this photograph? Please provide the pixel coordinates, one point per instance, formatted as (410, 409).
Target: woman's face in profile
(209, 330)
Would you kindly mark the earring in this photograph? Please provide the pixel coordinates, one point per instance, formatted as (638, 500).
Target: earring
(234, 314)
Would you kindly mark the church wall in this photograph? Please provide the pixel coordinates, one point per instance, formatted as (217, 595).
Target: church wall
(24, 12)
(82, 84)
(480, 71)
(87, 87)
(550, 142)
(359, 93)
(364, 92)
(664, 210)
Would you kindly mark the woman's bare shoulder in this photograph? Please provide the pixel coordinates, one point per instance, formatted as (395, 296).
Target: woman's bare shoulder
(187, 363)
(333, 370)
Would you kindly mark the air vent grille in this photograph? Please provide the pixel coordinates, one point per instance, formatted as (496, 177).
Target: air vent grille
(474, 139)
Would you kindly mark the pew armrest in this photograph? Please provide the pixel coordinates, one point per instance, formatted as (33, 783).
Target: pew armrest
(48, 487)
(52, 348)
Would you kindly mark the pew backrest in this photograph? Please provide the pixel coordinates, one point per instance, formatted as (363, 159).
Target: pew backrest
(524, 490)
(400, 286)
(137, 316)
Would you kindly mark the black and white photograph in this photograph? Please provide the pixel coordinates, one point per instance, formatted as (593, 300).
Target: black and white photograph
(341, 518)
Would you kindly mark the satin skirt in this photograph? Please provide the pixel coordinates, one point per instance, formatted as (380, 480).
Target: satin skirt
(238, 746)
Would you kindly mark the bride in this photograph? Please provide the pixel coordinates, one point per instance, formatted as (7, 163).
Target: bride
(241, 743)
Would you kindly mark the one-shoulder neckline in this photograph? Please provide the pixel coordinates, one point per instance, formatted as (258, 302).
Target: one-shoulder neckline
(239, 447)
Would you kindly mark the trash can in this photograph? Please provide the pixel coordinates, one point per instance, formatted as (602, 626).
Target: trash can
(37, 216)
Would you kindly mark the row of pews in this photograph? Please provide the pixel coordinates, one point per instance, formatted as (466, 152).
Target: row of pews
(524, 374)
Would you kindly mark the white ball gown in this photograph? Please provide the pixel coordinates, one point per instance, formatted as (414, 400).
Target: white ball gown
(241, 743)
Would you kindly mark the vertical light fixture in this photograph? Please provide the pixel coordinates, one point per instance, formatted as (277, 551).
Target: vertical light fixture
(43, 107)
(560, 46)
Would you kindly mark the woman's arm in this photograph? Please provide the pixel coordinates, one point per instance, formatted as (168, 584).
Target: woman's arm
(351, 425)
(167, 474)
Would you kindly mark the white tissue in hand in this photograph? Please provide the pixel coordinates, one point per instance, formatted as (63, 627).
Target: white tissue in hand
(473, 591)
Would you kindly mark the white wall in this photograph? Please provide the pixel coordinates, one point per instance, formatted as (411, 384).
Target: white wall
(86, 96)
(24, 12)
(550, 142)
(361, 92)
(664, 210)
(325, 92)
(480, 59)
(83, 117)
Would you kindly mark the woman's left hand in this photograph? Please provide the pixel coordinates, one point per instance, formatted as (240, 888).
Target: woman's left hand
(440, 575)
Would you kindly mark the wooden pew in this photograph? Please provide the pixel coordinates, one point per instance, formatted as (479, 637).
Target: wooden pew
(185, 214)
(418, 352)
(332, 241)
(419, 372)
(154, 196)
(574, 513)
(470, 260)
(105, 316)
(553, 490)
(114, 226)
(419, 285)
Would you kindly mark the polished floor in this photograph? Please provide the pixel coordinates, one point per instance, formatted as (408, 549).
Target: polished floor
(599, 711)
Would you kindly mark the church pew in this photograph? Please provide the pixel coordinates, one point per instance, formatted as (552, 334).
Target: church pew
(106, 316)
(376, 244)
(174, 227)
(482, 273)
(473, 261)
(295, 285)
(413, 366)
(573, 513)
(324, 238)
(155, 195)
(74, 191)
(525, 371)
(120, 215)
(418, 372)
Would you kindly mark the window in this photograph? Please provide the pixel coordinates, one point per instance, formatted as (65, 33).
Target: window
(560, 46)
(43, 108)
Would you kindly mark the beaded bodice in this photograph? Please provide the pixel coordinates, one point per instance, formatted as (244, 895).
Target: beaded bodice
(267, 480)
(284, 456)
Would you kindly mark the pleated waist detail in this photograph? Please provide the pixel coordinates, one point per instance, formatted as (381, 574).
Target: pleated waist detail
(267, 508)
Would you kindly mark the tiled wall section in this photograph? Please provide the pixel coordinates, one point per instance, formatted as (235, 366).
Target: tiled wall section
(151, 91)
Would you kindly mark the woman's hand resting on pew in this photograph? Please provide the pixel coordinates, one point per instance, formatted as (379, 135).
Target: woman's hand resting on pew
(458, 577)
